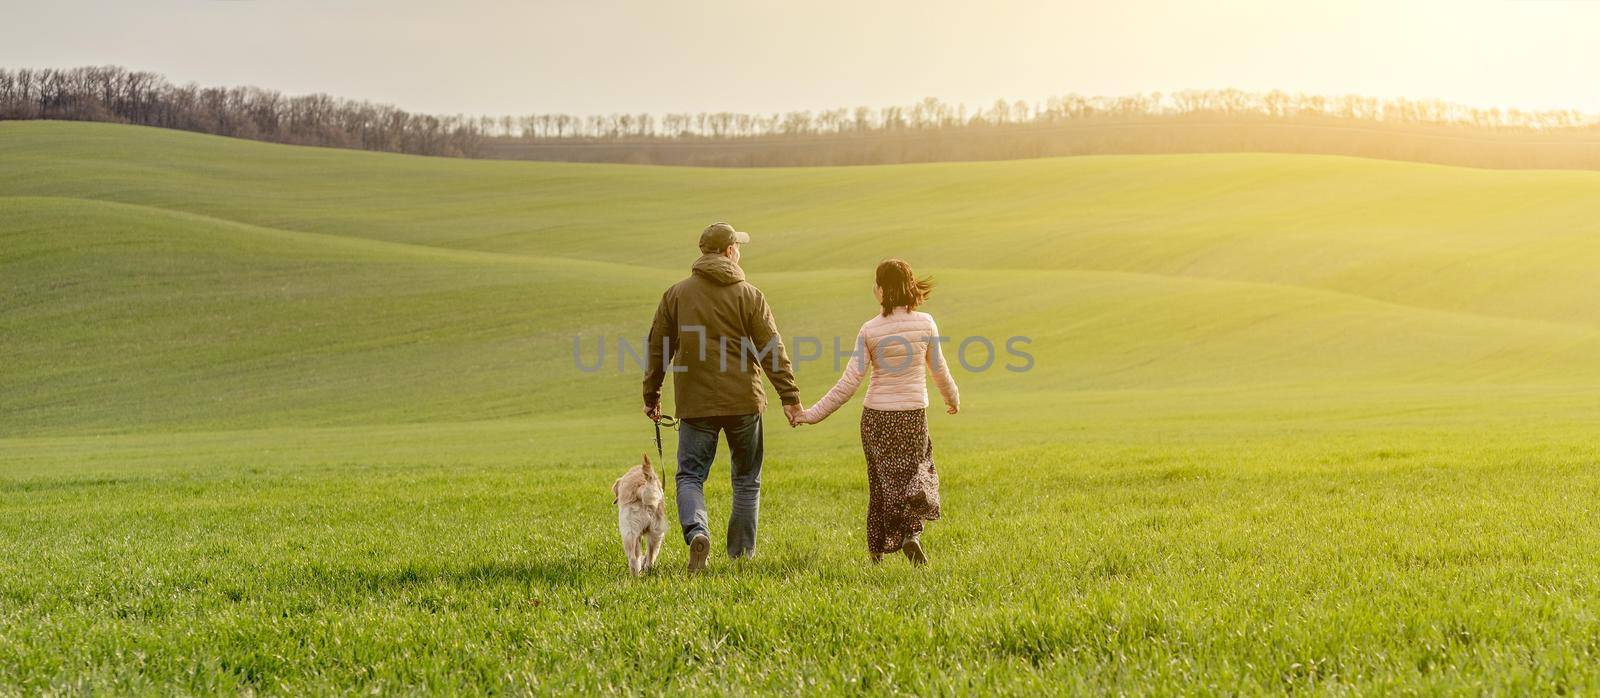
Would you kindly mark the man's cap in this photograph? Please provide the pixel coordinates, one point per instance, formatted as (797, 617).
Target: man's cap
(718, 236)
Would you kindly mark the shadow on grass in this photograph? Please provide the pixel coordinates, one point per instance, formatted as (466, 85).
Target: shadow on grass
(381, 577)
(542, 573)
(59, 484)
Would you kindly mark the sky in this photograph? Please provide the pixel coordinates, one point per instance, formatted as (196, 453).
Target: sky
(605, 56)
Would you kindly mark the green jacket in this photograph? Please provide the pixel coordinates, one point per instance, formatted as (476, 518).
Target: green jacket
(714, 368)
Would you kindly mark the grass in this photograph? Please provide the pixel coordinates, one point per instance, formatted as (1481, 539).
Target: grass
(287, 420)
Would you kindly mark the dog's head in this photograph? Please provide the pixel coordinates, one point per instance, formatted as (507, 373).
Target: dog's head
(638, 475)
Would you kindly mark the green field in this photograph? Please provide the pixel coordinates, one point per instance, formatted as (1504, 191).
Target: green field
(293, 420)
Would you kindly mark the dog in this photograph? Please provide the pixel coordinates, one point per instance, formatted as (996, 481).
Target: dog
(641, 516)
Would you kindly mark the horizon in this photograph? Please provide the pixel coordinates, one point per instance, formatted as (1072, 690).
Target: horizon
(509, 59)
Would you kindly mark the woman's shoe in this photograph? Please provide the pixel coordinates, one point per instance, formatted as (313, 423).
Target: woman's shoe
(913, 549)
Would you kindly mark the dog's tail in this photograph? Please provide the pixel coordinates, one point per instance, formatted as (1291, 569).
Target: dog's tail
(648, 471)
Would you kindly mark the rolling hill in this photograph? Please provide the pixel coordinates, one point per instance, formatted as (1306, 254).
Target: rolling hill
(291, 419)
(166, 279)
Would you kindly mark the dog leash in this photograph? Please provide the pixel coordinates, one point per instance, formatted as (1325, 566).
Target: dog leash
(669, 422)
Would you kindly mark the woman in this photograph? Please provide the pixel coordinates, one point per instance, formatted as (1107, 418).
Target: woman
(901, 345)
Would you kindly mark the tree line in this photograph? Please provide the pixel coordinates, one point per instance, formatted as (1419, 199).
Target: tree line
(119, 95)
(934, 114)
(931, 129)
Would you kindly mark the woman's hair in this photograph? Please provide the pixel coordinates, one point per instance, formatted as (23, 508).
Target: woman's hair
(901, 287)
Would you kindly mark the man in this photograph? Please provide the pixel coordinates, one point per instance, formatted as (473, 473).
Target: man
(712, 330)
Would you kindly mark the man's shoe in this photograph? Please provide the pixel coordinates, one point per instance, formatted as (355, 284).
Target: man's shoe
(699, 549)
(913, 548)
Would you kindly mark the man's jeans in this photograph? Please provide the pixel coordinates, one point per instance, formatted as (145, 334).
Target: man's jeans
(697, 447)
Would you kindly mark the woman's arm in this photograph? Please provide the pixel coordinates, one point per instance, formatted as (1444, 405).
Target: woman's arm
(843, 390)
(941, 371)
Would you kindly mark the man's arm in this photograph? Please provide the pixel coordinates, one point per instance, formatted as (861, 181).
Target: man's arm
(663, 344)
(774, 360)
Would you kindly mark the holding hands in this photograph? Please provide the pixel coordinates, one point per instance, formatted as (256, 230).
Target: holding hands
(800, 417)
(793, 413)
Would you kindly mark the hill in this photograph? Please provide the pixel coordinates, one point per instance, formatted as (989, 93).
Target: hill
(294, 419)
(297, 279)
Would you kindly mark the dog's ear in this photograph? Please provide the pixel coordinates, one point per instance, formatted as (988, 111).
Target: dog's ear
(616, 491)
